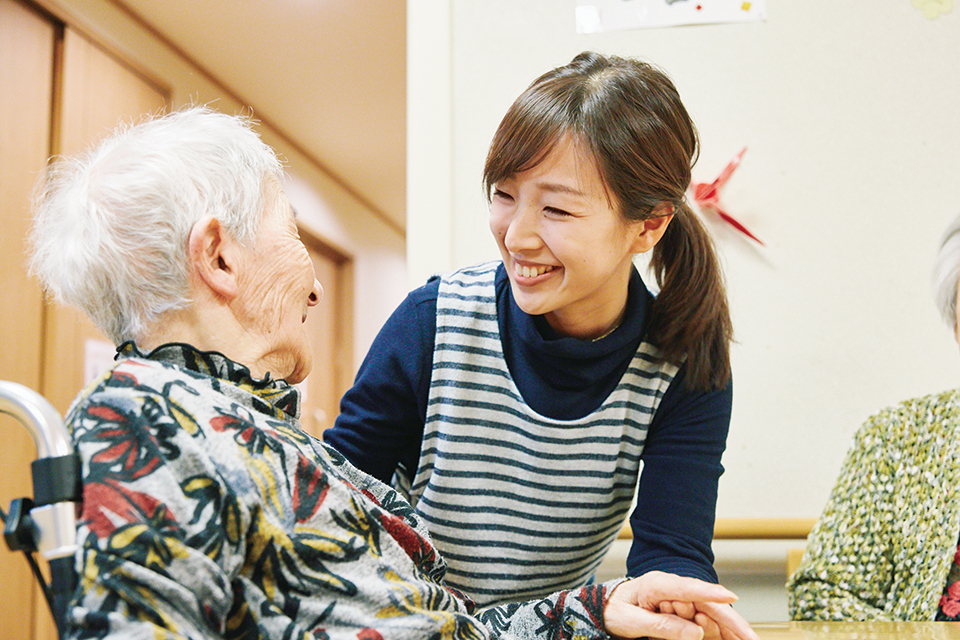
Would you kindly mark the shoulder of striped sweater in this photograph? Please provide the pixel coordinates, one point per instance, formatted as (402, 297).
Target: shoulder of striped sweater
(477, 270)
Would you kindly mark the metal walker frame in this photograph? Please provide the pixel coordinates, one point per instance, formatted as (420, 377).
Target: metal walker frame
(46, 523)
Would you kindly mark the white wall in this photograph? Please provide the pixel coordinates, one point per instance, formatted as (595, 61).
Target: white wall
(850, 117)
(849, 112)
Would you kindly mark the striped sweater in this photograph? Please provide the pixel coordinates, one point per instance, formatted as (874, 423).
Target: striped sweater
(561, 381)
(520, 504)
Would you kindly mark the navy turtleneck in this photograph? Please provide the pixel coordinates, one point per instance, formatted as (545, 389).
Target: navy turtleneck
(561, 377)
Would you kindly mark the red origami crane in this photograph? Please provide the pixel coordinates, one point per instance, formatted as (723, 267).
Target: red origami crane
(707, 196)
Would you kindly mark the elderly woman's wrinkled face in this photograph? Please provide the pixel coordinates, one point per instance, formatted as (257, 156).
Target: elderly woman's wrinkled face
(278, 286)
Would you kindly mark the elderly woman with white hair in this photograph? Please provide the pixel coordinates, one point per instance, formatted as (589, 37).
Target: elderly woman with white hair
(886, 545)
(207, 512)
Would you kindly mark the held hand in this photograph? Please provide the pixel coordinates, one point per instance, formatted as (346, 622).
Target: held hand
(662, 605)
(726, 622)
(688, 611)
(708, 617)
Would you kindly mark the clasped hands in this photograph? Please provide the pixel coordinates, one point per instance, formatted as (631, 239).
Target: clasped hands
(661, 605)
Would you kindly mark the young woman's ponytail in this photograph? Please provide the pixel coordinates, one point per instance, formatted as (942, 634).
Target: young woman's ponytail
(690, 319)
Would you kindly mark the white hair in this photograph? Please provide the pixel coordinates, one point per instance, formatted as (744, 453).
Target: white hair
(946, 273)
(111, 225)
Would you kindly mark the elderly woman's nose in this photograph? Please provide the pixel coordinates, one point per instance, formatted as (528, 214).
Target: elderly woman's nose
(316, 294)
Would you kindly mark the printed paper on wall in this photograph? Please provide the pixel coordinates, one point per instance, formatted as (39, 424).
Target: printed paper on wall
(619, 15)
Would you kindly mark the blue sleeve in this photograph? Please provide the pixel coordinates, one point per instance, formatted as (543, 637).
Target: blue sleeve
(381, 417)
(677, 498)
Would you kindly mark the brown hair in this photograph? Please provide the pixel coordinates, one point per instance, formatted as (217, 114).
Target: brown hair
(629, 116)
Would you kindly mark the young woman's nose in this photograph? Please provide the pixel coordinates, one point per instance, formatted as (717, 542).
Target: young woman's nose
(522, 232)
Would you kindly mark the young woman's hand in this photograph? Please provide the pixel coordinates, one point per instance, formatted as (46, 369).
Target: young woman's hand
(661, 605)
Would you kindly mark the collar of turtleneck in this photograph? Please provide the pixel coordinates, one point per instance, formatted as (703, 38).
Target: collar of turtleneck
(278, 394)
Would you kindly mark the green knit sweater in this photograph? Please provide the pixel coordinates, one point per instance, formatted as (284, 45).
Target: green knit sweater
(886, 539)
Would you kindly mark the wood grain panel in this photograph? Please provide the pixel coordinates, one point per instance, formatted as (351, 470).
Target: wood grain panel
(26, 75)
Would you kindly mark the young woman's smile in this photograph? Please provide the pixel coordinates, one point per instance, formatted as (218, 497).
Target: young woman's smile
(525, 274)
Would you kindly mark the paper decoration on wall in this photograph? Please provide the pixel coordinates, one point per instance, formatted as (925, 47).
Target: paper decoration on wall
(707, 197)
(933, 8)
(619, 15)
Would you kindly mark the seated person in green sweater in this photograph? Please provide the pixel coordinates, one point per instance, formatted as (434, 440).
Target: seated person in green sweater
(885, 547)
(207, 512)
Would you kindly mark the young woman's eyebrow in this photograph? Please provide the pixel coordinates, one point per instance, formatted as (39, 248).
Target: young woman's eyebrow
(556, 187)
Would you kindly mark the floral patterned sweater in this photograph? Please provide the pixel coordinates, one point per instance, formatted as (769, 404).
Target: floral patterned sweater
(885, 543)
(208, 513)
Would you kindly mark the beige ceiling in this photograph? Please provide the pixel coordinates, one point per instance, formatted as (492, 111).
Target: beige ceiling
(329, 74)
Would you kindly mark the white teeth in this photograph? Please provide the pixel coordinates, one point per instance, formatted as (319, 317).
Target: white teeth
(530, 272)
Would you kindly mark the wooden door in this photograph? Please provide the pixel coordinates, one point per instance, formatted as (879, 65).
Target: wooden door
(49, 104)
(330, 325)
(98, 93)
(26, 75)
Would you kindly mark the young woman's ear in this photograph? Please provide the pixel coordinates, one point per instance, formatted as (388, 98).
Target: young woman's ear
(214, 257)
(650, 230)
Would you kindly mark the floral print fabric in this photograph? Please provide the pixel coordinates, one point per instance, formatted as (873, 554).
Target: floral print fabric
(208, 513)
(949, 610)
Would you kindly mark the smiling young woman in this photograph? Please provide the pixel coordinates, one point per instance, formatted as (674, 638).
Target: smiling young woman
(515, 401)
(567, 250)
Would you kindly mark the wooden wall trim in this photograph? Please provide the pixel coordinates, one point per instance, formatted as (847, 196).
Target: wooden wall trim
(752, 529)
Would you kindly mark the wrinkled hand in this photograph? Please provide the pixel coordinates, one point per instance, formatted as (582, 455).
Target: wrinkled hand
(661, 605)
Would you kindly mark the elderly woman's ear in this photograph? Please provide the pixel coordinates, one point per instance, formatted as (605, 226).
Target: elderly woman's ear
(214, 257)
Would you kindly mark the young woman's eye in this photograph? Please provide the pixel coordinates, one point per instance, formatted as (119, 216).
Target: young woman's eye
(556, 212)
(502, 195)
